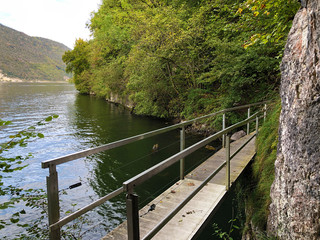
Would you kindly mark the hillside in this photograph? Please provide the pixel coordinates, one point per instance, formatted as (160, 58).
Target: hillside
(30, 58)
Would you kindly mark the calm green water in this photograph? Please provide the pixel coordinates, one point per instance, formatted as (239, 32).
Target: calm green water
(86, 122)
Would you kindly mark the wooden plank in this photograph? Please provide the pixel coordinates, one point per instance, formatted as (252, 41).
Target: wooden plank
(187, 218)
(193, 214)
(190, 218)
(241, 159)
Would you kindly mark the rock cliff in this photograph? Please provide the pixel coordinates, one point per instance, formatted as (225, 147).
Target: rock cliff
(295, 193)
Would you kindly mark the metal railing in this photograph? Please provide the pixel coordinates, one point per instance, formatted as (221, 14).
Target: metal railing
(55, 223)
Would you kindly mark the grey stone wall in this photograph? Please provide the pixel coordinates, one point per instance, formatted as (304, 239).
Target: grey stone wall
(295, 193)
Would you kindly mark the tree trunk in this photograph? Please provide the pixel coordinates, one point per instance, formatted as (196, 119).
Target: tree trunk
(295, 193)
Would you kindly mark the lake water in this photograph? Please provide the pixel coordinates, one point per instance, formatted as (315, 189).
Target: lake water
(85, 122)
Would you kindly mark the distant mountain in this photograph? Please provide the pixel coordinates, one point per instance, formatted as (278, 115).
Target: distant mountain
(30, 58)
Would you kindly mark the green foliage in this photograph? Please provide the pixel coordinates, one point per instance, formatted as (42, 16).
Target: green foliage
(225, 235)
(274, 20)
(199, 100)
(39, 229)
(77, 63)
(74, 230)
(263, 170)
(33, 198)
(11, 164)
(178, 58)
(30, 58)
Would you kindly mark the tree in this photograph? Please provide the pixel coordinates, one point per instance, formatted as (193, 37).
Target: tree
(77, 63)
(166, 54)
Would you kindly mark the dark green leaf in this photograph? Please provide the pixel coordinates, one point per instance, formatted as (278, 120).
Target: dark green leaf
(14, 220)
(16, 214)
(7, 122)
(40, 135)
(23, 225)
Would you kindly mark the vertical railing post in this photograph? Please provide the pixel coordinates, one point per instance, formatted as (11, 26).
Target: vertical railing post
(132, 216)
(257, 130)
(257, 125)
(227, 162)
(223, 127)
(182, 147)
(53, 202)
(265, 112)
(248, 124)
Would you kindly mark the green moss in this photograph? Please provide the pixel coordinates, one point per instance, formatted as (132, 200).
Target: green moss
(263, 170)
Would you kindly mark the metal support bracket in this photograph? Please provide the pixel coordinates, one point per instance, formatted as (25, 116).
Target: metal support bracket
(182, 147)
(227, 162)
(248, 124)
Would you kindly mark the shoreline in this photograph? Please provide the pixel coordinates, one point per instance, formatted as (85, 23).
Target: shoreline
(4, 78)
(32, 81)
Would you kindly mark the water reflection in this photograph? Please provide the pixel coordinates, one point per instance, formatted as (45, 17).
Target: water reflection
(101, 123)
(86, 122)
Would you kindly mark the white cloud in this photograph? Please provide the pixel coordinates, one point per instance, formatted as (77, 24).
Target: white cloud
(60, 20)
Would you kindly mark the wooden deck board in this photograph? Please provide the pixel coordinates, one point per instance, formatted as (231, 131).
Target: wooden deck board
(241, 159)
(186, 223)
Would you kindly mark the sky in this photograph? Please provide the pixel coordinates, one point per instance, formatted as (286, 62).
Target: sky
(63, 21)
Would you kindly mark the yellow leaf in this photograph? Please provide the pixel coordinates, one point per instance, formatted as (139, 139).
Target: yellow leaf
(245, 46)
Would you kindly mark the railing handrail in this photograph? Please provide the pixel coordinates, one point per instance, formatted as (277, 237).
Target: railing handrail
(55, 223)
(145, 175)
(151, 172)
(159, 226)
(87, 152)
(85, 209)
(156, 229)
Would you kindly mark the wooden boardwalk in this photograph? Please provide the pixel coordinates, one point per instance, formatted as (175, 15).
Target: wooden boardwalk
(190, 219)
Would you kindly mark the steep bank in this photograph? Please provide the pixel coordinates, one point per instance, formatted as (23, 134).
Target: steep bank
(118, 99)
(295, 193)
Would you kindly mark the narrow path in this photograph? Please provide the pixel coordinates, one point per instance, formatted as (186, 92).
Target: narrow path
(189, 220)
